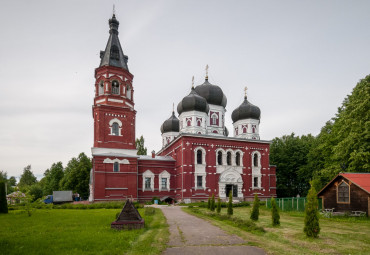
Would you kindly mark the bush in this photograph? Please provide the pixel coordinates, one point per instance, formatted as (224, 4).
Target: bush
(218, 205)
(275, 213)
(311, 219)
(230, 205)
(3, 202)
(209, 204)
(213, 203)
(255, 210)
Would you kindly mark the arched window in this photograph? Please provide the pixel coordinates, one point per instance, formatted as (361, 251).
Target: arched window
(188, 122)
(215, 132)
(115, 167)
(237, 158)
(236, 131)
(343, 193)
(253, 129)
(219, 158)
(245, 128)
(199, 122)
(128, 92)
(115, 87)
(214, 118)
(115, 128)
(228, 158)
(255, 159)
(101, 88)
(199, 157)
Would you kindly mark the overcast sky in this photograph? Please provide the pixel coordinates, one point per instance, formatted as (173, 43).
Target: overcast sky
(299, 60)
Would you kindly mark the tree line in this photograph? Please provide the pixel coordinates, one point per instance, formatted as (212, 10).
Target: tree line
(341, 146)
(75, 176)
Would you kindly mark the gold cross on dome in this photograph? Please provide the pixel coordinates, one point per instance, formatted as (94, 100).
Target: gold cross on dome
(192, 82)
(245, 90)
(114, 10)
(207, 71)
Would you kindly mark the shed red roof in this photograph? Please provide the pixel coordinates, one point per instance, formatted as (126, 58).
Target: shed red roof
(360, 179)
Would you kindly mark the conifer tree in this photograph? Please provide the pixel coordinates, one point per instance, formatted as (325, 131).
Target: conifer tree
(218, 205)
(3, 203)
(213, 203)
(275, 213)
(255, 210)
(230, 205)
(209, 204)
(311, 219)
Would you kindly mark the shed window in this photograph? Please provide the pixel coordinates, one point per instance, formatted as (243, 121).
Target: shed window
(343, 193)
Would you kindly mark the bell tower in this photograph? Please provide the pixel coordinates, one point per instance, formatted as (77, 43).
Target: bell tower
(114, 173)
(113, 109)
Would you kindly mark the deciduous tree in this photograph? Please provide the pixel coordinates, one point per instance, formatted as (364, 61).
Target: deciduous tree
(27, 178)
(141, 149)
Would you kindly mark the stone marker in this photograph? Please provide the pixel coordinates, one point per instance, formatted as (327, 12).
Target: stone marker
(129, 218)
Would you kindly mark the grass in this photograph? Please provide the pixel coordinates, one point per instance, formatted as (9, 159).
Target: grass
(337, 236)
(70, 231)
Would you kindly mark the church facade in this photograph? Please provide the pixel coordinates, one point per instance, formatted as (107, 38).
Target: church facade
(197, 158)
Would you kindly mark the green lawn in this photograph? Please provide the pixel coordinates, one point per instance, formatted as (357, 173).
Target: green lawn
(69, 231)
(337, 236)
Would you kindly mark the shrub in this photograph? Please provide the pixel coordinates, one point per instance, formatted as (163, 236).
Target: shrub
(209, 204)
(213, 203)
(230, 205)
(3, 202)
(218, 205)
(255, 210)
(311, 219)
(275, 213)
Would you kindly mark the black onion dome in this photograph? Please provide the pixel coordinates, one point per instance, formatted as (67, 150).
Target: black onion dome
(171, 125)
(246, 111)
(193, 102)
(212, 93)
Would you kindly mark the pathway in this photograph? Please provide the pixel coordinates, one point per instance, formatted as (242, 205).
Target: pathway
(192, 235)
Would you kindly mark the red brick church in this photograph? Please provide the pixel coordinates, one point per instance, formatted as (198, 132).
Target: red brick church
(197, 159)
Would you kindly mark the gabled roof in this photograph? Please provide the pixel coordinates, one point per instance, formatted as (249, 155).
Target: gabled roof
(362, 180)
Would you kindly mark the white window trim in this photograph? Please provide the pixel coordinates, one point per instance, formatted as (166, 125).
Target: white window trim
(232, 157)
(101, 88)
(148, 174)
(241, 157)
(214, 118)
(166, 175)
(111, 126)
(223, 157)
(203, 187)
(203, 156)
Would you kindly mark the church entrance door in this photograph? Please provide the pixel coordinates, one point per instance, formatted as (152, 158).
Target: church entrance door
(231, 188)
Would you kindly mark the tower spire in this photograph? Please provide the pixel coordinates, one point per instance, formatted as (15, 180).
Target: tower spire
(207, 72)
(113, 54)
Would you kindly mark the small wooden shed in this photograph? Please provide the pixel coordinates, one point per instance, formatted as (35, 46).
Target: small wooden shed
(347, 192)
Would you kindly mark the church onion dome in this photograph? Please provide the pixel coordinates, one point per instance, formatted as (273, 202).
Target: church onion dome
(246, 111)
(193, 102)
(212, 93)
(171, 125)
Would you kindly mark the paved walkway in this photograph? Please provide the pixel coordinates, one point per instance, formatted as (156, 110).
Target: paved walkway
(192, 235)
